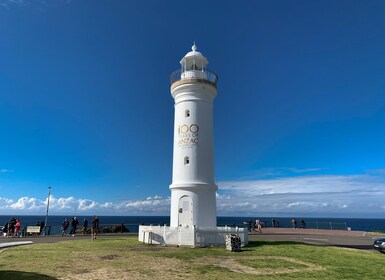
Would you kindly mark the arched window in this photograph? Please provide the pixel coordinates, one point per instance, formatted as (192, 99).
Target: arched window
(187, 113)
(186, 160)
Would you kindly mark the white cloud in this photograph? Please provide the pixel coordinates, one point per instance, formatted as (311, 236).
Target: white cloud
(155, 205)
(27, 203)
(320, 195)
(349, 195)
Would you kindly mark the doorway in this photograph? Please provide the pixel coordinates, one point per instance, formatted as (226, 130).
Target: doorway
(185, 211)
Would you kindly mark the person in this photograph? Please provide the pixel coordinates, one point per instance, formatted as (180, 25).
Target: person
(74, 224)
(258, 225)
(17, 228)
(5, 230)
(303, 224)
(38, 225)
(95, 227)
(247, 223)
(64, 227)
(11, 227)
(23, 233)
(294, 223)
(273, 223)
(85, 225)
(42, 228)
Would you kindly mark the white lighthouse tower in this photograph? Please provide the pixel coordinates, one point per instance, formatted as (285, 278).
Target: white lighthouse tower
(193, 188)
(193, 219)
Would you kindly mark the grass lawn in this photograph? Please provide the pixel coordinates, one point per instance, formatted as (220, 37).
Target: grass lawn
(126, 258)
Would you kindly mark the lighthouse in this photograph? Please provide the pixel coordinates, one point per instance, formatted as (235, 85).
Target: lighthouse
(193, 217)
(193, 188)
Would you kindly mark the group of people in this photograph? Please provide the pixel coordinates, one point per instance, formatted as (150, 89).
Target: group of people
(74, 224)
(12, 228)
(294, 223)
(257, 225)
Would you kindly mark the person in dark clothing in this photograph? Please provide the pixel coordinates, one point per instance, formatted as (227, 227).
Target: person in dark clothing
(95, 227)
(42, 225)
(74, 224)
(11, 227)
(303, 224)
(64, 227)
(85, 225)
(5, 230)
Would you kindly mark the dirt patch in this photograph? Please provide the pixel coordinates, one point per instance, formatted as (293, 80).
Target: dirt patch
(138, 267)
(108, 257)
(233, 264)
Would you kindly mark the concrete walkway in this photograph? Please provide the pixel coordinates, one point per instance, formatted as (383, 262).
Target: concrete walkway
(305, 231)
(339, 238)
(15, 243)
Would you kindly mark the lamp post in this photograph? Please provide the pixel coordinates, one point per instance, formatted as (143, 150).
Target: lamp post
(46, 214)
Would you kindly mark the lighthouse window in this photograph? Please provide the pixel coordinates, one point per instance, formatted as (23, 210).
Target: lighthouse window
(187, 113)
(186, 160)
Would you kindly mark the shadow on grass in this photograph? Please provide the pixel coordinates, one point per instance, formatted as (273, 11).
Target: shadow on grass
(13, 275)
(259, 243)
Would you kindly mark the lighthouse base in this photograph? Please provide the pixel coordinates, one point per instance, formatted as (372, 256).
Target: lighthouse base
(189, 236)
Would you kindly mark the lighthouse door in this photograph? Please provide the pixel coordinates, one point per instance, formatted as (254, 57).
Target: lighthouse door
(185, 211)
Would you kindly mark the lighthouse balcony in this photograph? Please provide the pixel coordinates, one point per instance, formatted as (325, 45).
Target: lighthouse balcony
(194, 74)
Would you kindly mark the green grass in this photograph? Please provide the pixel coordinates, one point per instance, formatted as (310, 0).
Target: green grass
(128, 259)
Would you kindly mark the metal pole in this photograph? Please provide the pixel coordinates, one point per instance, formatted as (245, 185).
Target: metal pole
(46, 214)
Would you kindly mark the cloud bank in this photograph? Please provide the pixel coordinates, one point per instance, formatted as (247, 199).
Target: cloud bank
(322, 195)
(316, 195)
(81, 206)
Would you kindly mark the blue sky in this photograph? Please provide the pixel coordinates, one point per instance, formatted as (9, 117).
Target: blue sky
(85, 105)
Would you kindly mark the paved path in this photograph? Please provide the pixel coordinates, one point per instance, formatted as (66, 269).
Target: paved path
(341, 238)
(15, 243)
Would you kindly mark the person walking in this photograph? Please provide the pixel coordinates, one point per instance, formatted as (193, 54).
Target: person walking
(258, 225)
(17, 228)
(64, 227)
(74, 225)
(95, 227)
(303, 224)
(85, 226)
(11, 227)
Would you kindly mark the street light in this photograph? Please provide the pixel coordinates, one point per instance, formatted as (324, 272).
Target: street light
(46, 214)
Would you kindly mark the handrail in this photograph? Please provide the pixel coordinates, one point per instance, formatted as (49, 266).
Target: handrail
(194, 73)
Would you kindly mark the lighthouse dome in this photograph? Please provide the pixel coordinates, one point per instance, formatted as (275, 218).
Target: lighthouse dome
(193, 59)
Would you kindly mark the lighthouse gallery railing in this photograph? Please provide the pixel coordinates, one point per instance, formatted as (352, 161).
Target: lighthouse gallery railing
(198, 73)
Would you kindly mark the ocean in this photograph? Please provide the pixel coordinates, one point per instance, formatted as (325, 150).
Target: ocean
(133, 222)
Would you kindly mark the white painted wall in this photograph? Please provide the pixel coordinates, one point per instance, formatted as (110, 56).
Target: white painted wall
(193, 138)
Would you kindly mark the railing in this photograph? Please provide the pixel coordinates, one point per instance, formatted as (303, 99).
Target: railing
(197, 73)
(103, 228)
(308, 225)
(134, 228)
